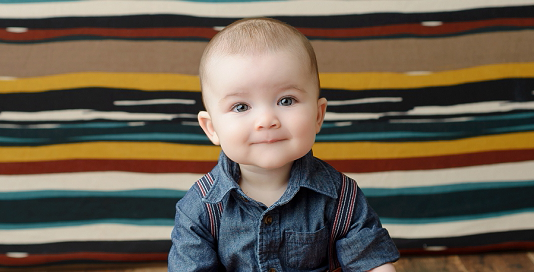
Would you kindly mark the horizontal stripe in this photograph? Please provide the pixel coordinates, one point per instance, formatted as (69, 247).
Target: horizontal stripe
(177, 33)
(485, 97)
(396, 180)
(47, 259)
(117, 232)
(495, 173)
(47, 212)
(326, 151)
(71, 222)
(332, 56)
(134, 57)
(469, 108)
(129, 165)
(188, 134)
(131, 246)
(235, 10)
(424, 190)
(98, 181)
(515, 222)
(47, 193)
(156, 207)
(354, 81)
(98, 232)
(202, 167)
(321, 21)
(476, 240)
(435, 162)
(85, 115)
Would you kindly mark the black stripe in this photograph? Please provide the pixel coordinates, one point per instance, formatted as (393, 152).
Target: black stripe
(102, 99)
(463, 203)
(336, 21)
(48, 210)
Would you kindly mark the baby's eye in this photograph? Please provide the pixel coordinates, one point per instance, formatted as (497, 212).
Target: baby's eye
(286, 101)
(240, 107)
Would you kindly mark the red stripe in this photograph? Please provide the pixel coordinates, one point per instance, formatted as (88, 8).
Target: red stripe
(89, 165)
(163, 32)
(417, 29)
(354, 166)
(208, 32)
(472, 249)
(39, 259)
(437, 162)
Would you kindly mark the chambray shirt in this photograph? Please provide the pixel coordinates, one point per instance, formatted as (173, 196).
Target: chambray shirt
(290, 235)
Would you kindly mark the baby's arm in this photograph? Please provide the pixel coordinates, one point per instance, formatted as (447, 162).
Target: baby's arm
(367, 244)
(384, 268)
(193, 247)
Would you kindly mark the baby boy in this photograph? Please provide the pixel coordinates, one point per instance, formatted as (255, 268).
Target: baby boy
(269, 204)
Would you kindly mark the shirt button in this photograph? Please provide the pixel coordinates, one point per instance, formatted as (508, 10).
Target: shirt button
(268, 220)
(272, 270)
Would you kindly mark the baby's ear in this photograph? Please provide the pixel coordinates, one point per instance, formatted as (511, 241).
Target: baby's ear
(204, 119)
(321, 111)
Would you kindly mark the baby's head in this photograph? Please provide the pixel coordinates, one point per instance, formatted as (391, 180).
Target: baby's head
(257, 36)
(260, 87)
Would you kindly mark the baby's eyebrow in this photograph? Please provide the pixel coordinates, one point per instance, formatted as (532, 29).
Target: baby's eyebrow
(231, 95)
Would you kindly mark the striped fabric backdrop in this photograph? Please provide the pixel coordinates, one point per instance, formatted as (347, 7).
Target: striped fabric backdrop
(431, 111)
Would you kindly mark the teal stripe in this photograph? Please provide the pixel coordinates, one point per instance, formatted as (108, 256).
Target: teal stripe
(365, 136)
(418, 221)
(442, 189)
(512, 129)
(151, 193)
(135, 222)
(504, 117)
(154, 136)
(22, 140)
(96, 125)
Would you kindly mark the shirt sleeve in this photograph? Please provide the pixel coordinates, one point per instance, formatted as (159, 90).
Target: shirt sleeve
(367, 245)
(193, 246)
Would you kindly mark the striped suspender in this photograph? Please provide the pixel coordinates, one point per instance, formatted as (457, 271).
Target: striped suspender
(340, 228)
(214, 210)
(345, 208)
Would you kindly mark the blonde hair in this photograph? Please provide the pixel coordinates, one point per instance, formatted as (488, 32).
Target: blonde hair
(256, 36)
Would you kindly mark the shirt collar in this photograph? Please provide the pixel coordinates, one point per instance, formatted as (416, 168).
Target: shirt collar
(308, 172)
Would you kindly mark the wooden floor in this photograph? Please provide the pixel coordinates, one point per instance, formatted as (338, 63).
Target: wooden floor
(505, 262)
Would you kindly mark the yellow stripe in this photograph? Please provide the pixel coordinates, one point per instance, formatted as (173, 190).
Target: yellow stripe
(138, 81)
(328, 151)
(350, 81)
(369, 81)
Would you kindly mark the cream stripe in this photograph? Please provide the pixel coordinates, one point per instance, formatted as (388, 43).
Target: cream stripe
(514, 222)
(93, 232)
(97, 181)
(120, 232)
(100, 181)
(232, 10)
(514, 171)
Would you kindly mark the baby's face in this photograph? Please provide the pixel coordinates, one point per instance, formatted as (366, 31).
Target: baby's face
(264, 109)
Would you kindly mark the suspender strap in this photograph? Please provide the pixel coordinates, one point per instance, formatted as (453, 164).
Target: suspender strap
(345, 208)
(214, 210)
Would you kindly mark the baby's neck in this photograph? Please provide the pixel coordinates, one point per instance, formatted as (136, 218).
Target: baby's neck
(264, 185)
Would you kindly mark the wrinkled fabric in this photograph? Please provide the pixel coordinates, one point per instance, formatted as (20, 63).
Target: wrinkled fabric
(290, 235)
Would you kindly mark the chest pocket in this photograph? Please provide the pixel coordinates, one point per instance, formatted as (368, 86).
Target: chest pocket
(306, 250)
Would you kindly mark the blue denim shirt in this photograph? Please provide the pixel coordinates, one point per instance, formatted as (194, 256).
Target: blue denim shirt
(290, 235)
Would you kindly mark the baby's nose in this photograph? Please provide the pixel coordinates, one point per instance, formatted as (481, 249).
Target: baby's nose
(267, 121)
